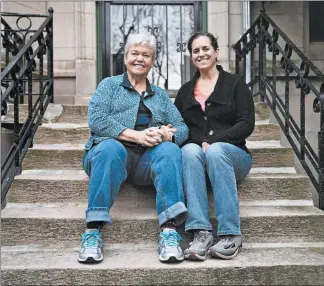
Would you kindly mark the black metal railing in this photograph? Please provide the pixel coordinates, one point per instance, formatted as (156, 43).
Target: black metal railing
(24, 77)
(263, 34)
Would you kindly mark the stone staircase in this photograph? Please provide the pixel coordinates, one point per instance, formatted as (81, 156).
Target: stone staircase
(44, 219)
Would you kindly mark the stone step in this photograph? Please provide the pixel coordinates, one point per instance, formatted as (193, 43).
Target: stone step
(293, 264)
(50, 186)
(79, 113)
(69, 156)
(54, 113)
(79, 133)
(262, 222)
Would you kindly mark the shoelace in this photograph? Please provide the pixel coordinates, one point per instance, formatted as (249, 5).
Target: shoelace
(227, 238)
(200, 237)
(171, 238)
(91, 239)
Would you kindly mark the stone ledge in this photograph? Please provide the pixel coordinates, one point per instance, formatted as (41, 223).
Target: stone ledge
(263, 266)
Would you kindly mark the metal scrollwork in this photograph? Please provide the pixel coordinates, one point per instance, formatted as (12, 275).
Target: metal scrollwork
(153, 31)
(246, 45)
(318, 104)
(19, 19)
(158, 47)
(238, 51)
(284, 60)
(303, 74)
(181, 47)
(258, 25)
(266, 25)
(253, 39)
(272, 41)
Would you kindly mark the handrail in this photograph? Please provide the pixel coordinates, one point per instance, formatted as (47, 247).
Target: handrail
(18, 80)
(259, 35)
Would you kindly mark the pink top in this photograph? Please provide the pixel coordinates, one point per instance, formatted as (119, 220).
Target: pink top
(200, 97)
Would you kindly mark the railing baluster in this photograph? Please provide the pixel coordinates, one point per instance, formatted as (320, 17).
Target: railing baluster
(244, 65)
(274, 72)
(302, 124)
(181, 61)
(237, 62)
(287, 103)
(321, 161)
(51, 58)
(41, 81)
(16, 123)
(261, 60)
(166, 86)
(30, 96)
(7, 56)
(252, 69)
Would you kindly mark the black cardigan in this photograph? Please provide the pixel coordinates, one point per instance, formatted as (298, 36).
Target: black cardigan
(229, 112)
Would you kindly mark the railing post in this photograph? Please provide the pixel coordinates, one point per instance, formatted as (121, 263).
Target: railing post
(321, 163)
(262, 56)
(50, 56)
(237, 62)
(321, 149)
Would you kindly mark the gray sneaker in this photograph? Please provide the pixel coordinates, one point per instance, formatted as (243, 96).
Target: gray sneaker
(169, 246)
(91, 247)
(198, 248)
(227, 247)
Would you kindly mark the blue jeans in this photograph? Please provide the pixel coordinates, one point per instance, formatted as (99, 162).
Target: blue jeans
(225, 164)
(109, 163)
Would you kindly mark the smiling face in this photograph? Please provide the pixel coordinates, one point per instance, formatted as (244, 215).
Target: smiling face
(203, 54)
(139, 60)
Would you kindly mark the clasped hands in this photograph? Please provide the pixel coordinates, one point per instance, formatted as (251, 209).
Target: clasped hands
(153, 136)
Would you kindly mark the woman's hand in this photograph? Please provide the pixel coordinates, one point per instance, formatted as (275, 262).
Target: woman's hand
(149, 137)
(168, 132)
(204, 146)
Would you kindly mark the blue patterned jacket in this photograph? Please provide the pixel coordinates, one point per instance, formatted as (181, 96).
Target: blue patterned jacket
(113, 108)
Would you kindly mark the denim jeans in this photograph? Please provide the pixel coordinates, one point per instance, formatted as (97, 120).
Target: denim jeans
(225, 164)
(109, 163)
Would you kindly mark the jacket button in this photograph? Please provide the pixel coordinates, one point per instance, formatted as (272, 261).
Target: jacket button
(208, 103)
(205, 117)
(211, 132)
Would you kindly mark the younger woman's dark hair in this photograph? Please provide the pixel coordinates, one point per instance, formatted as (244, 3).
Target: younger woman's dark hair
(211, 37)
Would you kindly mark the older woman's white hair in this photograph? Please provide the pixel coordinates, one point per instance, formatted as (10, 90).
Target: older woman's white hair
(141, 39)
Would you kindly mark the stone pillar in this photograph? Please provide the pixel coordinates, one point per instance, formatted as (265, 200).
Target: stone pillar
(218, 25)
(85, 49)
(235, 29)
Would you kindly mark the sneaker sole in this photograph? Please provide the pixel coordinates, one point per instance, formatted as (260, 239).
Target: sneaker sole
(171, 259)
(195, 256)
(91, 260)
(219, 255)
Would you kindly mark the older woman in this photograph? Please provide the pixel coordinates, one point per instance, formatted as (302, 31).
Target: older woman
(135, 133)
(218, 108)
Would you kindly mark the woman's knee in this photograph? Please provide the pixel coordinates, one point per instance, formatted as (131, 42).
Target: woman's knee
(191, 151)
(109, 150)
(218, 150)
(169, 150)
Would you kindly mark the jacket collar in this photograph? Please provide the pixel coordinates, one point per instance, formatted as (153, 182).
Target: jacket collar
(219, 94)
(126, 83)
